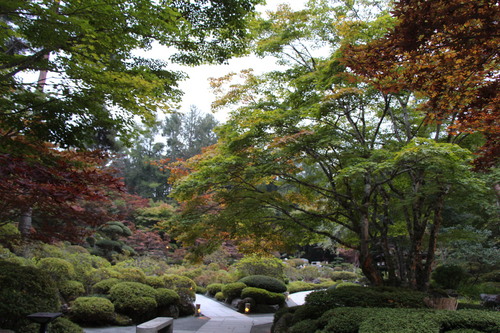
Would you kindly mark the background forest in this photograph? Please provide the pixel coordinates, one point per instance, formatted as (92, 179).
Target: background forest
(376, 139)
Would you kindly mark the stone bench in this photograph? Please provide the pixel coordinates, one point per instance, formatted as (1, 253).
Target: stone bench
(157, 325)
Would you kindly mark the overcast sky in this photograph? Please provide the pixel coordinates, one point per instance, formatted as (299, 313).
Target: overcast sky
(197, 89)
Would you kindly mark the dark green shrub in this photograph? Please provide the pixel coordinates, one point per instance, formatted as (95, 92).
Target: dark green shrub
(343, 275)
(64, 325)
(257, 265)
(155, 281)
(307, 325)
(343, 320)
(346, 284)
(131, 274)
(214, 288)
(103, 287)
(464, 330)
(493, 276)
(127, 290)
(71, 289)
(165, 297)
(264, 282)
(233, 290)
(220, 296)
(139, 309)
(485, 321)
(449, 276)
(24, 290)
(58, 269)
(398, 321)
(92, 311)
(186, 288)
(262, 296)
(201, 290)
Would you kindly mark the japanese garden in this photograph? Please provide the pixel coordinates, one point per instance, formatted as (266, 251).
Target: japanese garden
(361, 168)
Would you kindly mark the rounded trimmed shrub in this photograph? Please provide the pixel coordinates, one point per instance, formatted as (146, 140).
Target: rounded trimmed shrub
(71, 289)
(92, 311)
(24, 290)
(58, 269)
(343, 275)
(186, 288)
(264, 282)
(201, 290)
(155, 281)
(262, 296)
(165, 297)
(233, 290)
(131, 274)
(449, 276)
(214, 288)
(219, 296)
(64, 325)
(103, 287)
(134, 299)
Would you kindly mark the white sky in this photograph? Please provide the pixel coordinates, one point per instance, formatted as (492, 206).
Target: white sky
(197, 89)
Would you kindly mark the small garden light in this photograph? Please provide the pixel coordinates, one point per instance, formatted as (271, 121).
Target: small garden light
(198, 310)
(247, 307)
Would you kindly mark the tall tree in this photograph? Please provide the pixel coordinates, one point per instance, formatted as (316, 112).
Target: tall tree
(314, 151)
(446, 51)
(97, 84)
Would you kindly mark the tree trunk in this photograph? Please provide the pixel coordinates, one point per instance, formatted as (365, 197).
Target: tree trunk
(25, 221)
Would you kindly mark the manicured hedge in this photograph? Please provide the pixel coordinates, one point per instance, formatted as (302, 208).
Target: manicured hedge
(387, 320)
(165, 297)
(92, 311)
(214, 288)
(71, 289)
(296, 286)
(233, 290)
(262, 296)
(134, 299)
(264, 282)
(103, 287)
(24, 290)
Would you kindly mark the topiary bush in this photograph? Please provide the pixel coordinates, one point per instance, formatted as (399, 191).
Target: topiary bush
(71, 289)
(257, 265)
(134, 299)
(264, 282)
(262, 296)
(131, 274)
(186, 288)
(214, 288)
(233, 290)
(166, 297)
(92, 311)
(219, 296)
(343, 275)
(449, 276)
(24, 290)
(64, 325)
(155, 281)
(103, 287)
(201, 290)
(58, 269)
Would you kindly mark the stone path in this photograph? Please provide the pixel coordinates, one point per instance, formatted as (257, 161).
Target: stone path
(216, 318)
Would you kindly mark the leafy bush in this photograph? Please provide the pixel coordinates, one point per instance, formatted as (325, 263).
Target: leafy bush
(398, 321)
(24, 290)
(233, 290)
(201, 290)
(104, 286)
(71, 289)
(134, 299)
(449, 276)
(484, 321)
(264, 282)
(262, 296)
(257, 265)
(214, 288)
(127, 290)
(165, 297)
(343, 275)
(92, 311)
(346, 284)
(185, 287)
(58, 269)
(155, 281)
(219, 296)
(296, 286)
(64, 325)
(131, 274)
(308, 325)
(493, 276)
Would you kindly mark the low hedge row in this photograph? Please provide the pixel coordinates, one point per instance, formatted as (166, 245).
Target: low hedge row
(380, 320)
(262, 296)
(264, 282)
